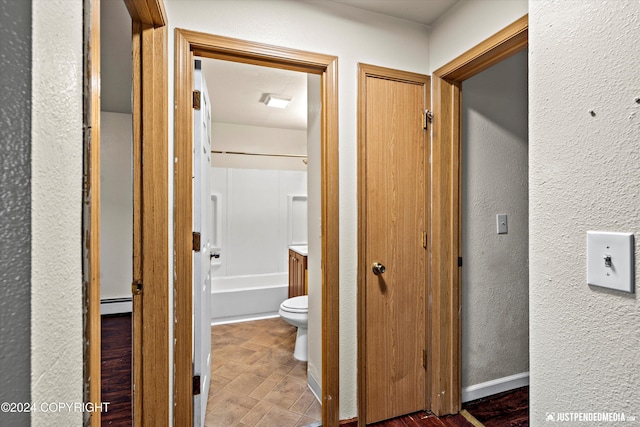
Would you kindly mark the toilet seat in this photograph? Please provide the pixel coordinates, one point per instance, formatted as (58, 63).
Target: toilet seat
(296, 304)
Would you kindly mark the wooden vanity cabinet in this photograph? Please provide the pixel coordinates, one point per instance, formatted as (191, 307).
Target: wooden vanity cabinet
(297, 274)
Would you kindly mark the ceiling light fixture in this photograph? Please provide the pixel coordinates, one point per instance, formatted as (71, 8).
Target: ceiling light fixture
(276, 101)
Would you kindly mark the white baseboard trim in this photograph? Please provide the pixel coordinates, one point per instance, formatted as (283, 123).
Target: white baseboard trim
(315, 388)
(116, 306)
(478, 391)
(240, 319)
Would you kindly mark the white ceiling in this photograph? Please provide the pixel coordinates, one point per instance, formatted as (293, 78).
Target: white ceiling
(424, 12)
(236, 89)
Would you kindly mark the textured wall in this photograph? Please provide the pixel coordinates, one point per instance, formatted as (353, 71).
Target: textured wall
(56, 208)
(584, 175)
(15, 206)
(495, 276)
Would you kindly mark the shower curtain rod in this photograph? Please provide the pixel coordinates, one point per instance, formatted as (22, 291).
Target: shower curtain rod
(300, 156)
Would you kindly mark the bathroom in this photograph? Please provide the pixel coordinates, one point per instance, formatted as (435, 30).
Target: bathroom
(265, 198)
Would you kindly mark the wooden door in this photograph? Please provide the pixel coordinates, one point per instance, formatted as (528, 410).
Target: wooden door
(202, 257)
(393, 220)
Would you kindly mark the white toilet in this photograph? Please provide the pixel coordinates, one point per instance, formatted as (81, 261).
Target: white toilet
(295, 311)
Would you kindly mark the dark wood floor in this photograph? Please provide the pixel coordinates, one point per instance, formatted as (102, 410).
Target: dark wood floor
(509, 409)
(419, 419)
(116, 370)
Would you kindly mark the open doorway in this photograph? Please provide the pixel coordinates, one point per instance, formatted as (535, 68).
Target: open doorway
(116, 159)
(116, 211)
(446, 225)
(259, 174)
(495, 230)
(188, 45)
(263, 159)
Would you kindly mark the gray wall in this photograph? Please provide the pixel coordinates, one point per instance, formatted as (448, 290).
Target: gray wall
(15, 207)
(495, 309)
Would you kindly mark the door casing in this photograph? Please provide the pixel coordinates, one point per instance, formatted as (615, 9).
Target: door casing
(151, 251)
(91, 209)
(367, 71)
(187, 45)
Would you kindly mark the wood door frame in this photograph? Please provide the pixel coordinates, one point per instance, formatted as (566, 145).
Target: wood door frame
(91, 208)
(446, 213)
(151, 254)
(365, 71)
(150, 211)
(187, 45)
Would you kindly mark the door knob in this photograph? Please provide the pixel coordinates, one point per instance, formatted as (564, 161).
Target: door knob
(378, 268)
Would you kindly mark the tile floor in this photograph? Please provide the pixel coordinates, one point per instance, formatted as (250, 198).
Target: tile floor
(255, 381)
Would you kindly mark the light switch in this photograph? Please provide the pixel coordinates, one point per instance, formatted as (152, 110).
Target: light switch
(502, 223)
(610, 260)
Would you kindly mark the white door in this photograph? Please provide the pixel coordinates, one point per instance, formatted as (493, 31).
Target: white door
(201, 259)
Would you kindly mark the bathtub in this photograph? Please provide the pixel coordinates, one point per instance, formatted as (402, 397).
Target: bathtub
(243, 298)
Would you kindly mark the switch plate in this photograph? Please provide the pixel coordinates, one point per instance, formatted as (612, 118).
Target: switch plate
(610, 260)
(501, 220)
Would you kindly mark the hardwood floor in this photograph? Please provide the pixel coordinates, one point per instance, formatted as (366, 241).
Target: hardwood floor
(508, 409)
(116, 369)
(420, 419)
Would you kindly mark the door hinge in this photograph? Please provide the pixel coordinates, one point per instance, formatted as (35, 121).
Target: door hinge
(424, 359)
(459, 261)
(424, 239)
(427, 118)
(196, 99)
(196, 241)
(136, 287)
(196, 385)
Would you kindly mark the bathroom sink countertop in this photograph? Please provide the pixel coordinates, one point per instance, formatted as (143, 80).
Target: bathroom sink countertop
(301, 249)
